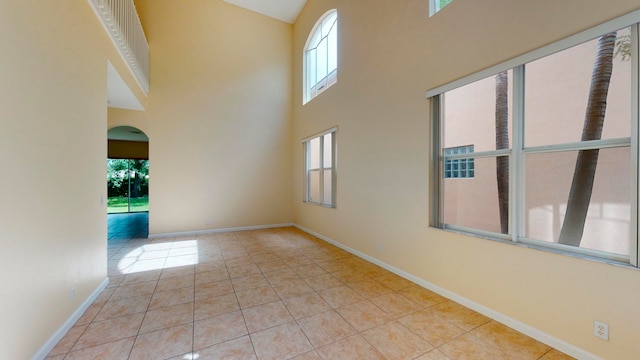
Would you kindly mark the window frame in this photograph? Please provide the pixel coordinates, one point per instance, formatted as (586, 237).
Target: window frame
(518, 151)
(310, 91)
(307, 160)
(434, 6)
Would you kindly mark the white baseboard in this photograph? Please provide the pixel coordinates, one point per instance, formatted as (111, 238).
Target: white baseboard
(215, 231)
(62, 331)
(530, 331)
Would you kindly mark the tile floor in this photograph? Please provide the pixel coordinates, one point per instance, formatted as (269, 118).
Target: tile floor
(128, 225)
(274, 294)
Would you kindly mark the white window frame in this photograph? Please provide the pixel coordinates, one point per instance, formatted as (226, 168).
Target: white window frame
(312, 89)
(307, 160)
(519, 151)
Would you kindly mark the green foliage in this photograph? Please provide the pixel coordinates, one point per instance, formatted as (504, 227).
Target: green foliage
(444, 3)
(623, 47)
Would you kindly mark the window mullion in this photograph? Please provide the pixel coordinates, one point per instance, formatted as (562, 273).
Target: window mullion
(321, 172)
(516, 175)
(635, 156)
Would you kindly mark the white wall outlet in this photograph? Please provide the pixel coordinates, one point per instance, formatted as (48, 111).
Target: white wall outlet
(207, 221)
(601, 330)
(72, 294)
(378, 247)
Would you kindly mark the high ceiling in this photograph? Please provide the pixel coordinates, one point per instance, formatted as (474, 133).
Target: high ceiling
(284, 10)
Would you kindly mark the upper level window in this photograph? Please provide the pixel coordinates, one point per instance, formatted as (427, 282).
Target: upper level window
(554, 139)
(321, 56)
(437, 5)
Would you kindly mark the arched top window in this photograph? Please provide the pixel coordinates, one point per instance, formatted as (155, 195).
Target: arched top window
(321, 56)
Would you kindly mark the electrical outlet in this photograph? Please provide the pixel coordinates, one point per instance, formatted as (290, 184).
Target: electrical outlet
(72, 294)
(601, 330)
(378, 247)
(207, 222)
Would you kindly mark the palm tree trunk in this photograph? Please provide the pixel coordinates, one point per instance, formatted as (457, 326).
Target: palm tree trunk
(585, 169)
(502, 142)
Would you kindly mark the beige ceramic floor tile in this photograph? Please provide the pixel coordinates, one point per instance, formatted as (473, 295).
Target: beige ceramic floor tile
(554, 354)
(175, 282)
(281, 275)
(109, 330)
(89, 314)
(306, 305)
(322, 282)
(369, 288)
(141, 277)
(272, 265)
(309, 270)
(175, 341)
(265, 316)
(211, 276)
(167, 317)
(237, 349)
(434, 354)
(431, 326)
(243, 270)
(394, 341)
(218, 329)
(212, 289)
(173, 297)
(214, 306)
(510, 341)
(248, 282)
(460, 316)
(117, 350)
(256, 296)
(281, 342)
(291, 288)
(395, 304)
(364, 315)
(394, 281)
(311, 355)
(469, 347)
(66, 343)
(178, 271)
(421, 296)
(354, 347)
(114, 309)
(134, 290)
(340, 296)
(325, 328)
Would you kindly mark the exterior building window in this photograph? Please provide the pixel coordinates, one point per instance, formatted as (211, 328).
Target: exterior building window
(552, 165)
(321, 56)
(320, 169)
(455, 167)
(437, 5)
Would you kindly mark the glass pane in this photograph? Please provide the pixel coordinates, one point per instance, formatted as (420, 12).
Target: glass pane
(557, 93)
(314, 153)
(127, 185)
(328, 188)
(470, 114)
(312, 76)
(473, 202)
(321, 65)
(328, 23)
(548, 182)
(333, 48)
(327, 158)
(314, 186)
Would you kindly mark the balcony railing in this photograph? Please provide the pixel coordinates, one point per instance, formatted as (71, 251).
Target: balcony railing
(121, 20)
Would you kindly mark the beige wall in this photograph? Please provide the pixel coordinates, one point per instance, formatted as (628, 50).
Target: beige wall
(53, 128)
(390, 53)
(218, 116)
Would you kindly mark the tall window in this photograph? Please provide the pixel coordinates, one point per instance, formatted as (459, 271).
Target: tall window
(437, 5)
(554, 140)
(321, 56)
(320, 169)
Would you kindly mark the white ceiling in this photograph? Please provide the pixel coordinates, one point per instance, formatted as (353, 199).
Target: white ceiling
(118, 93)
(284, 10)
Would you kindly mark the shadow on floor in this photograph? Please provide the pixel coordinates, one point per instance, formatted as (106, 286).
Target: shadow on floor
(128, 225)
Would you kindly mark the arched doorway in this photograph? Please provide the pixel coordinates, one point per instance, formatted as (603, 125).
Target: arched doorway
(127, 183)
